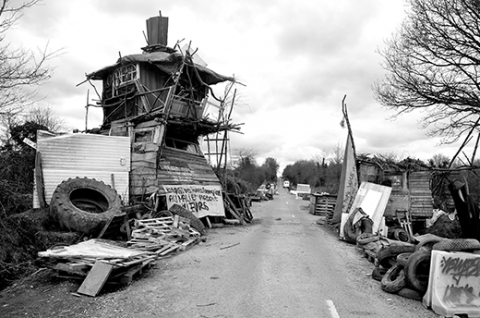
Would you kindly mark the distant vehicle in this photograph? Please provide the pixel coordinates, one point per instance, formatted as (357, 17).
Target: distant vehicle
(303, 190)
(270, 190)
(261, 191)
(286, 184)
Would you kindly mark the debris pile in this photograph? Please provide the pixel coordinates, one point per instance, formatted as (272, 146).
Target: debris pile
(98, 262)
(163, 235)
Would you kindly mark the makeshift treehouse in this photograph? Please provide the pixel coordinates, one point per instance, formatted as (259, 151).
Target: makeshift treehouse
(157, 99)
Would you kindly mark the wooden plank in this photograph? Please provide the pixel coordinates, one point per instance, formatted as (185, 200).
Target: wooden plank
(233, 209)
(128, 276)
(147, 156)
(95, 279)
(171, 249)
(39, 180)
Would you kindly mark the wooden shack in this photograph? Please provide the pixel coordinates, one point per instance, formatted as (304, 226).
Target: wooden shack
(411, 189)
(157, 99)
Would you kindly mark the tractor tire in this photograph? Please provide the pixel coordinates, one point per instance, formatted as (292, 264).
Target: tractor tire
(394, 280)
(84, 205)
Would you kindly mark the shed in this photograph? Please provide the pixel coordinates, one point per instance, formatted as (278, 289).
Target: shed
(411, 190)
(64, 156)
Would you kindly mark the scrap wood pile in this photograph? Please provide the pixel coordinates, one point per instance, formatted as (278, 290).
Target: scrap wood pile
(238, 207)
(97, 261)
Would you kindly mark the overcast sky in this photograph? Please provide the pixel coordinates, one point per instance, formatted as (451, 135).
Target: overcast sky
(297, 59)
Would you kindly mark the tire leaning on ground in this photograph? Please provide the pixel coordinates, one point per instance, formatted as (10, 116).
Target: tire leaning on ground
(401, 235)
(394, 279)
(417, 271)
(378, 273)
(386, 255)
(195, 222)
(410, 294)
(84, 205)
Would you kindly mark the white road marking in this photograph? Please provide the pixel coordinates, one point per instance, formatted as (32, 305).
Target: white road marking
(333, 310)
(293, 216)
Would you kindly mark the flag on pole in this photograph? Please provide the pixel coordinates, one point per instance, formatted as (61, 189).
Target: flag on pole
(348, 183)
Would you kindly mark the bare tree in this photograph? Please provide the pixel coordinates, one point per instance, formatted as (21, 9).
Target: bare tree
(20, 69)
(433, 63)
(439, 160)
(44, 115)
(337, 154)
(246, 155)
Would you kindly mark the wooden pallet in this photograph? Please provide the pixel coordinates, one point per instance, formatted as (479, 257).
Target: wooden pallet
(371, 256)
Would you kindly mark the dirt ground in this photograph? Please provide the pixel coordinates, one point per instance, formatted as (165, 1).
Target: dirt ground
(168, 290)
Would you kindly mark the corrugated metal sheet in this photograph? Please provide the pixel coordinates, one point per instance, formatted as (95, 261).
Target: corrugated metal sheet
(84, 155)
(86, 152)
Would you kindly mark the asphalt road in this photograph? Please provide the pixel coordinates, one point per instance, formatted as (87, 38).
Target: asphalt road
(283, 265)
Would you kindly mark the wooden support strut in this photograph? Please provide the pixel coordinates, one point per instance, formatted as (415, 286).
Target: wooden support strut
(238, 215)
(39, 180)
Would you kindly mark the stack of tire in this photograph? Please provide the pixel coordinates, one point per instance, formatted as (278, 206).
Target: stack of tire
(404, 269)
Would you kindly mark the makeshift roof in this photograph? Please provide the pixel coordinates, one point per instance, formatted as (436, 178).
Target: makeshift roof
(167, 62)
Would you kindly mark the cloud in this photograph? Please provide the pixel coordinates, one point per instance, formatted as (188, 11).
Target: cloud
(297, 59)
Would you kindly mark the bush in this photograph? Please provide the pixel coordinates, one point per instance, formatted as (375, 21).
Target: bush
(16, 180)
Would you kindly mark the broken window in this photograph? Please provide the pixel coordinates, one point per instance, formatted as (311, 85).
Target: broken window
(125, 74)
(187, 146)
(143, 136)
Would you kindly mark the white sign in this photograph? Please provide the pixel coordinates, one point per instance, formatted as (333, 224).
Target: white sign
(200, 200)
(30, 143)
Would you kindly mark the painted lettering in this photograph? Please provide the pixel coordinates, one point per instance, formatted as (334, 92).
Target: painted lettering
(460, 267)
(462, 295)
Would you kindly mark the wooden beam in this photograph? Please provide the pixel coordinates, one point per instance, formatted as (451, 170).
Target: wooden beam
(39, 180)
(95, 279)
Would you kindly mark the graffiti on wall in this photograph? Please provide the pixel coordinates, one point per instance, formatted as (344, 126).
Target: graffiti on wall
(200, 200)
(459, 280)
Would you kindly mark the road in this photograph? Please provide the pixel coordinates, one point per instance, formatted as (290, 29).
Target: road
(282, 265)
